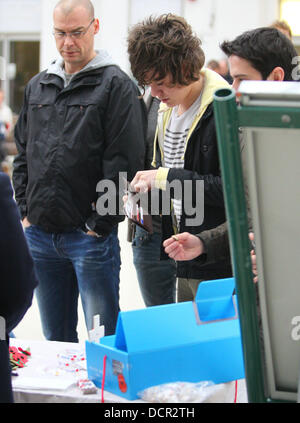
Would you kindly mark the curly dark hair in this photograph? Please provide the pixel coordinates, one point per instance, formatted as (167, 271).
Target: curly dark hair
(164, 45)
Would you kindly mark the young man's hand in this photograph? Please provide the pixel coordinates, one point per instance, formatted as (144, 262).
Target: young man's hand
(184, 246)
(144, 180)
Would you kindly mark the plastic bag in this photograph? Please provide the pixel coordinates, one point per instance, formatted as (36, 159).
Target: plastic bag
(182, 392)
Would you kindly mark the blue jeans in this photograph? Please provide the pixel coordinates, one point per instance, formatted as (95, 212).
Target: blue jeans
(68, 264)
(156, 278)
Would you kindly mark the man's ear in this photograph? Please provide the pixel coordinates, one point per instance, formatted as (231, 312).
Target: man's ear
(277, 74)
(96, 26)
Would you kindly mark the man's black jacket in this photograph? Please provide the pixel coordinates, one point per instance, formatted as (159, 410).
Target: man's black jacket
(69, 139)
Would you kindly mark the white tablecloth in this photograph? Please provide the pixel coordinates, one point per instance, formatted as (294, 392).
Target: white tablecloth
(44, 378)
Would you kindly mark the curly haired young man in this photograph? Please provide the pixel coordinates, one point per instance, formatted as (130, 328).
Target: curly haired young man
(166, 55)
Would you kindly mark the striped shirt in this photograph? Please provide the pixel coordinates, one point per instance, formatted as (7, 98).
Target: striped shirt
(175, 144)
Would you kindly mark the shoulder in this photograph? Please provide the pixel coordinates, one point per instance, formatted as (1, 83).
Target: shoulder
(116, 76)
(119, 85)
(37, 78)
(34, 83)
(112, 71)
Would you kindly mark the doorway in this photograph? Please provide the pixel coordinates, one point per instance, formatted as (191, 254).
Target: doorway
(22, 62)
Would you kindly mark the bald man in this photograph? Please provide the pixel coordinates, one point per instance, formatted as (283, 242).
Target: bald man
(82, 123)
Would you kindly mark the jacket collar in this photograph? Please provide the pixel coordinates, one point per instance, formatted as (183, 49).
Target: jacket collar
(56, 68)
(92, 77)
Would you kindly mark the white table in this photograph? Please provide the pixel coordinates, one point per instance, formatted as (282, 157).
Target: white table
(44, 379)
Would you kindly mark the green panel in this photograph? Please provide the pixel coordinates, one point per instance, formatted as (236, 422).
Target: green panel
(269, 117)
(227, 125)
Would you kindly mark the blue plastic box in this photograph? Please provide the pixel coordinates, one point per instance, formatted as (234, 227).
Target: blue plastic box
(186, 342)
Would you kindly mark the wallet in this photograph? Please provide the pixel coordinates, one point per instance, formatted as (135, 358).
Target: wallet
(136, 213)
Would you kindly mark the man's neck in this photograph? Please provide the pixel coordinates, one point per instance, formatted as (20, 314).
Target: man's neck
(195, 90)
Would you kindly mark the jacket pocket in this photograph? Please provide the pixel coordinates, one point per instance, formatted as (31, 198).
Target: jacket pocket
(39, 116)
(83, 119)
(39, 112)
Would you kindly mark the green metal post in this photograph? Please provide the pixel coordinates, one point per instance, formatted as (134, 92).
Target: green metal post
(226, 117)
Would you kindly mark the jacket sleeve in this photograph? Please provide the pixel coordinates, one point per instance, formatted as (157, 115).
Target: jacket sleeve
(20, 176)
(216, 244)
(213, 190)
(18, 278)
(216, 240)
(125, 140)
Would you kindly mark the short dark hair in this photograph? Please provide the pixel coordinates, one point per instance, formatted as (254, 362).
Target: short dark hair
(265, 48)
(162, 45)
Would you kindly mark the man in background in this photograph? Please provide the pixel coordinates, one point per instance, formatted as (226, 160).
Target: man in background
(221, 67)
(284, 27)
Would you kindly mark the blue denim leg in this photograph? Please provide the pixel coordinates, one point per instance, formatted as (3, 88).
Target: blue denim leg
(57, 291)
(76, 262)
(97, 265)
(157, 278)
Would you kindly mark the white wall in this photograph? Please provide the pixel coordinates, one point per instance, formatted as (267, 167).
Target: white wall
(217, 20)
(48, 50)
(113, 17)
(20, 16)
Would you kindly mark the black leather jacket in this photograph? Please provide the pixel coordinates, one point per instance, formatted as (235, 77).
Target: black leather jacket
(69, 139)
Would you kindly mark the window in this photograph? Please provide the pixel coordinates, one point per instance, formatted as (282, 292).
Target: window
(290, 12)
(25, 56)
(20, 57)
